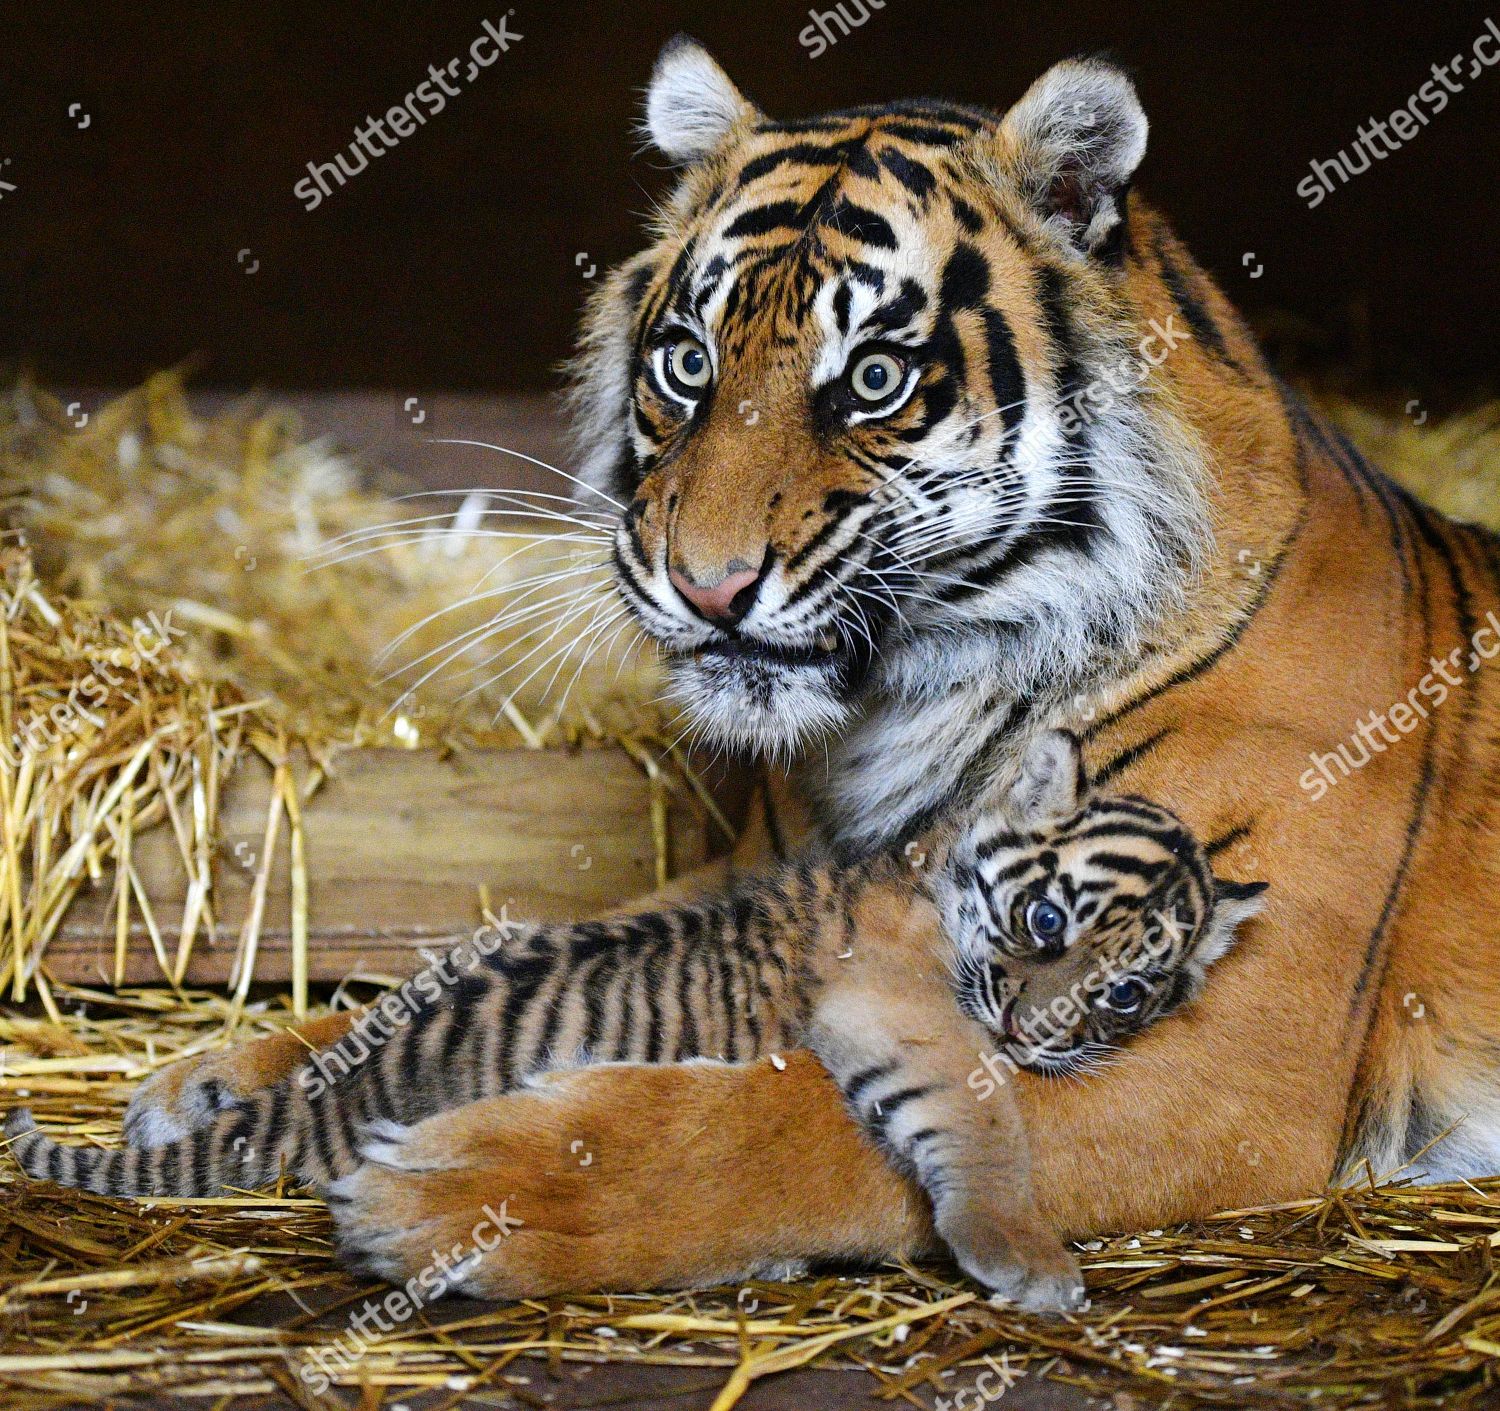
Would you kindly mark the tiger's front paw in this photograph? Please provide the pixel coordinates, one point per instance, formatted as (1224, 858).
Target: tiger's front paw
(1020, 1261)
(600, 1178)
(448, 1205)
(418, 1213)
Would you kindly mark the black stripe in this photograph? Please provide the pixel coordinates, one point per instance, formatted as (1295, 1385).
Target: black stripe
(859, 1082)
(1227, 840)
(524, 979)
(891, 1104)
(1054, 297)
(800, 154)
(689, 1043)
(968, 217)
(1128, 757)
(464, 996)
(862, 224)
(966, 278)
(1197, 314)
(726, 992)
(594, 987)
(555, 1009)
(1007, 380)
(318, 1124)
(923, 135)
(915, 177)
(1167, 836)
(762, 220)
(382, 1102)
(274, 1139)
(202, 1143)
(350, 1130)
(1124, 863)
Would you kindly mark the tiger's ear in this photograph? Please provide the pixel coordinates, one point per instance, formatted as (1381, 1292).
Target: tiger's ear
(1075, 141)
(1050, 782)
(691, 104)
(1234, 904)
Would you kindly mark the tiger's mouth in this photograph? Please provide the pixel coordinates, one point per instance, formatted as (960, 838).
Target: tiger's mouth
(1049, 1063)
(769, 696)
(831, 656)
(824, 654)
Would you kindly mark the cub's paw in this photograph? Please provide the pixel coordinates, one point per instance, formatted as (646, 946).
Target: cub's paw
(1026, 1265)
(180, 1097)
(192, 1092)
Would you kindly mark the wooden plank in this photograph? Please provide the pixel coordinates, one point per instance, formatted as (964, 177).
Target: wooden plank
(398, 844)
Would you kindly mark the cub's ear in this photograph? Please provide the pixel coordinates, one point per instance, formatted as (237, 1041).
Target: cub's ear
(1234, 904)
(1050, 783)
(691, 105)
(1074, 142)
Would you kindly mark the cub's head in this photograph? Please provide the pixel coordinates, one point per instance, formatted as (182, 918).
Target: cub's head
(1078, 920)
(878, 411)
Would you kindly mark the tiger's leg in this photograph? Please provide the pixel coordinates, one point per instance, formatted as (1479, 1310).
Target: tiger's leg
(901, 1058)
(562, 1167)
(710, 1172)
(192, 1092)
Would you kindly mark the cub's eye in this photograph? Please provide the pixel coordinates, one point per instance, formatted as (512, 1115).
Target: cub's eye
(876, 377)
(1126, 996)
(1046, 922)
(686, 366)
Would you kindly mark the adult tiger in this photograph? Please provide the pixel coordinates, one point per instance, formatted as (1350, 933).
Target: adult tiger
(928, 431)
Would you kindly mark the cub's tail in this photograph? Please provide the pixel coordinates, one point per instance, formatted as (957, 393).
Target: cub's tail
(245, 1147)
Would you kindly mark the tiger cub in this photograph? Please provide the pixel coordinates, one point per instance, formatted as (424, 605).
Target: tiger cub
(1071, 939)
(858, 963)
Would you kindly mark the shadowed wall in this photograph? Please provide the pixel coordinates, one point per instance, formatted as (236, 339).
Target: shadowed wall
(458, 259)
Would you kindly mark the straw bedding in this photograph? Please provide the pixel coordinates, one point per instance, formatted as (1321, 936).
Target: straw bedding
(1381, 1295)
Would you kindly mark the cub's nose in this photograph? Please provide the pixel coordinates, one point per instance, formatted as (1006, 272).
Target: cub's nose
(725, 602)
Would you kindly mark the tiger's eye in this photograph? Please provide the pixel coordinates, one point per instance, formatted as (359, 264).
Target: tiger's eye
(688, 365)
(1125, 996)
(1046, 922)
(875, 376)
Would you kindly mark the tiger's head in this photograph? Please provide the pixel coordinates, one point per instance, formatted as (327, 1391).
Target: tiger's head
(877, 410)
(1077, 920)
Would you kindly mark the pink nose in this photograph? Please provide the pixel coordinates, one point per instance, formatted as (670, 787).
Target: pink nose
(726, 601)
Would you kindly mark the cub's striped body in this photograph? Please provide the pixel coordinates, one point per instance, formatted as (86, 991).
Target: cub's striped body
(844, 960)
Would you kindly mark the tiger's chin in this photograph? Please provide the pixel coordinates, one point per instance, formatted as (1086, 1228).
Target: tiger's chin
(769, 703)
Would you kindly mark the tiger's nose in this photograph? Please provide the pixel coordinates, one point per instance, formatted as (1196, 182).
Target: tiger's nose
(725, 602)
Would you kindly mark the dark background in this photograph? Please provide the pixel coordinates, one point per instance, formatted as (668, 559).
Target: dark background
(457, 261)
